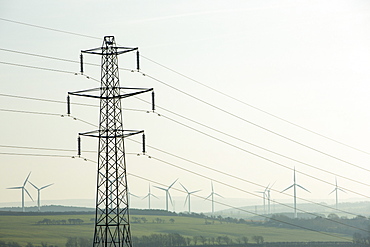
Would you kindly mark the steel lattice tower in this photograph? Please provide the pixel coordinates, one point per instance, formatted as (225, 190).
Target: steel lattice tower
(112, 226)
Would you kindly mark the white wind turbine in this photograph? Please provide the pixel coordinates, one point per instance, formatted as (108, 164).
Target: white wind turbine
(167, 193)
(149, 195)
(268, 194)
(265, 195)
(336, 193)
(129, 197)
(39, 192)
(23, 188)
(188, 196)
(295, 185)
(212, 197)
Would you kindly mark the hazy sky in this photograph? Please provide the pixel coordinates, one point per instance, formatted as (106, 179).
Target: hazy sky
(304, 61)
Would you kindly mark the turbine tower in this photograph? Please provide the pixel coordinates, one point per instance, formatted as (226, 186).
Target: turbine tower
(188, 196)
(212, 198)
(336, 193)
(23, 188)
(295, 185)
(264, 195)
(168, 195)
(39, 193)
(112, 226)
(149, 195)
(268, 195)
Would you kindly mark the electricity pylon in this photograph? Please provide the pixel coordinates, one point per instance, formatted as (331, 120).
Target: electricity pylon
(112, 226)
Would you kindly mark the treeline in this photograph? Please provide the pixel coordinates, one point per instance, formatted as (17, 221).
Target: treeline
(15, 244)
(332, 223)
(60, 222)
(176, 240)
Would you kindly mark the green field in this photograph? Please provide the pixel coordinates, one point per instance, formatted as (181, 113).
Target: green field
(24, 229)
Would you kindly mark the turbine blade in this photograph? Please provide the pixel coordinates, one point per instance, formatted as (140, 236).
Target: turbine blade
(169, 195)
(194, 191)
(267, 187)
(219, 195)
(25, 181)
(14, 188)
(186, 199)
(28, 194)
(159, 188)
(46, 186)
(333, 190)
(145, 197)
(33, 185)
(272, 185)
(208, 196)
(133, 195)
(173, 183)
(303, 188)
(154, 196)
(342, 190)
(184, 188)
(287, 188)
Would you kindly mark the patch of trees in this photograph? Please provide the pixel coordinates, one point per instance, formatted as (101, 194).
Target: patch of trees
(78, 242)
(175, 239)
(331, 223)
(60, 222)
(15, 244)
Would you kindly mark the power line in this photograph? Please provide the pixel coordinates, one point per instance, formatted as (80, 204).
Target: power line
(267, 217)
(254, 107)
(52, 114)
(202, 102)
(232, 145)
(60, 101)
(196, 164)
(246, 211)
(270, 114)
(237, 188)
(58, 59)
(40, 68)
(194, 129)
(244, 180)
(50, 29)
(43, 148)
(254, 124)
(44, 28)
(237, 147)
(51, 70)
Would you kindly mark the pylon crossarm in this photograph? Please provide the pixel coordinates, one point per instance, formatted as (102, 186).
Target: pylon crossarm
(120, 96)
(102, 50)
(100, 133)
(135, 93)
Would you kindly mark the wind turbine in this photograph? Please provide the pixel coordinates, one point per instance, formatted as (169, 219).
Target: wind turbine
(149, 195)
(167, 193)
(38, 193)
(336, 193)
(295, 185)
(188, 196)
(265, 195)
(268, 189)
(23, 188)
(212, 197)
(129, 197)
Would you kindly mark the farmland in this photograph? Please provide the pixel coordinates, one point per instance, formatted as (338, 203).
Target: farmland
(56, 229)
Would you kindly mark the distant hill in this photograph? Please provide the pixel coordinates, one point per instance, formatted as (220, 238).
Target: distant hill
(59, 209)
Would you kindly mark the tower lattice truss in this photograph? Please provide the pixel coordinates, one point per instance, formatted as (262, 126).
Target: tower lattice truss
(112, 227)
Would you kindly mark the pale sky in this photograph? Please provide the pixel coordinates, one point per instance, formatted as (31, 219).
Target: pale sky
(304, 61)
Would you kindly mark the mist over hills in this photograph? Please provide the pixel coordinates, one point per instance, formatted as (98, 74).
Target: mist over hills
(255, 212)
